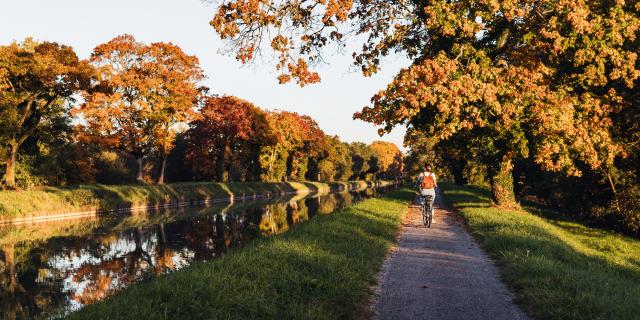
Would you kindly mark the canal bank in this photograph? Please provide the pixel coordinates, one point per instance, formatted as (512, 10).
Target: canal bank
(322, 269)
(81, 261)
(52, 203)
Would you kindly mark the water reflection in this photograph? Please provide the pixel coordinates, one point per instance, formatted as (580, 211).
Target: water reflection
(47, 270)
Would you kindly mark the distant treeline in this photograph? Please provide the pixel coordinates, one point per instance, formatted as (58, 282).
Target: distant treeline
(137, 112)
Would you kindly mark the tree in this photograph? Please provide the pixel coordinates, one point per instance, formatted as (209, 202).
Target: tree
(141, 93)
(535, 79)
(314, 145)
(230, 130)
(389, 157)
(336, 163)
(341, 159)
(36, 82)
(360, 156)
(299, 139)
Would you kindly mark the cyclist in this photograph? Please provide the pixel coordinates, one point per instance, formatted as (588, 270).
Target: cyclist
(427, 184)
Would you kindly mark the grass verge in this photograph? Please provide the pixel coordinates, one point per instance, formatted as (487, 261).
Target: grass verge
(558, 268)
(322, 269)
(50, 200)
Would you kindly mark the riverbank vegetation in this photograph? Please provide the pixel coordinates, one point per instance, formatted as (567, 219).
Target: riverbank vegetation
(558, 268)
(136, 112)
(322, 269)
(56, 200)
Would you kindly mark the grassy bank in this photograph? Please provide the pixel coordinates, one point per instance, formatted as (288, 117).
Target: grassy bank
(321, 269)
(558, 268)
(41, 201)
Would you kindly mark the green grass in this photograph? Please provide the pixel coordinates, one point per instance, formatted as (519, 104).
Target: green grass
(558, 268)
(41, 201)
(322, 269)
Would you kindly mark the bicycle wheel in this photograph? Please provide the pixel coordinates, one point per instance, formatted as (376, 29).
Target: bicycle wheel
(430, 216)
(425, 218)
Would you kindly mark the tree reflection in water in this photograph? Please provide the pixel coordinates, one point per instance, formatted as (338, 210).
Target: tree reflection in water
(50, 277)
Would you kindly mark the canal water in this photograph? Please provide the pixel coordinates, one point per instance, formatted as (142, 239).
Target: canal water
(50, 269)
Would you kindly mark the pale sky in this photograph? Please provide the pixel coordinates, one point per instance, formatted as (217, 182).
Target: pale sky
(83, 24)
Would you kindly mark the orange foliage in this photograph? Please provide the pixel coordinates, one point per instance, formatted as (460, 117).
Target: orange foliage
(228, 128)
(387, 153)
(532, 78)
(141, 93)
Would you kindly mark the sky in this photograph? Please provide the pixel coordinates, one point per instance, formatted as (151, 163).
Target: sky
(83, 24)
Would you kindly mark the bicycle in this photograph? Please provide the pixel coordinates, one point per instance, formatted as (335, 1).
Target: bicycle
(427, 210)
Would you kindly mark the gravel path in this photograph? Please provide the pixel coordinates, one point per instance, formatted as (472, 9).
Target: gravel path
(441, 273)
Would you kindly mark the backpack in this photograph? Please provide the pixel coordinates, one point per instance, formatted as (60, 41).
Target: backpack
(427, 182)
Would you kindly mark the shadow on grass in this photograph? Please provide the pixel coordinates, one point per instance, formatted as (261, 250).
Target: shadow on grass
(557, 270)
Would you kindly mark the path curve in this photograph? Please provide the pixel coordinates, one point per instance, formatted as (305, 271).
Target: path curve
(441, 273)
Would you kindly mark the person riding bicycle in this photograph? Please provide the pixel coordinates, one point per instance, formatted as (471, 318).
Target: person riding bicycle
(427, 184)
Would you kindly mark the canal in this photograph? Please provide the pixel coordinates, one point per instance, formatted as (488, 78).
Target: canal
(50, 269)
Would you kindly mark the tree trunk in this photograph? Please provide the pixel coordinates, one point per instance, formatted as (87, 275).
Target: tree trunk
(458, 175)
(220, 167)
(501, 179)
(163, 166)
(139, 178)
(616, 200)
(9, 177)
(163, 235)
(9, 256)
(230, 165)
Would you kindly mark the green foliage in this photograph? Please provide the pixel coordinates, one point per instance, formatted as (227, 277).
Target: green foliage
(113, 168)
(360, 158)
(177, 168)
(629, 214)
(337, 164)
(25, 177)
(37, 80)
(322, 269)
(326, 170)
(622, 213)
(273, 163)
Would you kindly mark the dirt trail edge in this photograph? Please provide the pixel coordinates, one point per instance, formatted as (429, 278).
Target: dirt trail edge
(441, 273)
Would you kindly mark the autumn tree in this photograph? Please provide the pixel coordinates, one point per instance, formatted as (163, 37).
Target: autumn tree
(141, 92)
(299, 140)
(274, 158)
(336, 164)
(37, 80)
(536, 79)
(230, 131)
(389, 157)
(315, 145)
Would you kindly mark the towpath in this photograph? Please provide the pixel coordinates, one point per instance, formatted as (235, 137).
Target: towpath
(441, 273)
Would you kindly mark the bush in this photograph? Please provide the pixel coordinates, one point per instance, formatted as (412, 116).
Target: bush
(25, 176)
(112, 168)
(623, 216)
